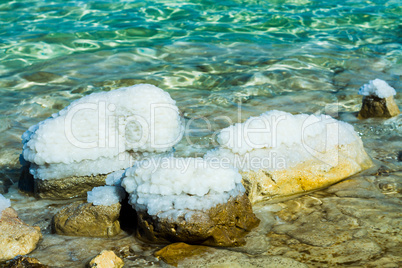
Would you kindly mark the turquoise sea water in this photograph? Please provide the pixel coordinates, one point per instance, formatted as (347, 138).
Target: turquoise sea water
(211, 56)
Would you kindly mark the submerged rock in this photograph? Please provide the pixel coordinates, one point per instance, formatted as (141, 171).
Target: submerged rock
(378, 100)
(189, 200)
(106, 259)
(177, 252)
(85, 219)
(25, 262)
(96, 135)
(223, 225)
(16, 237)
(280, 154)
(183, 255)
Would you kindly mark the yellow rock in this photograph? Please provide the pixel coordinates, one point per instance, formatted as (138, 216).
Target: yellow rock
(16, 237)
(106, 259)
(175, 253)
(309, 175)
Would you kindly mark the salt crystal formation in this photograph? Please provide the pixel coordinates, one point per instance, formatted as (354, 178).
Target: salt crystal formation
(4, 203)
(281, 154)
(110, 194)
(106, 195)
(189, 200)
(378, 100)
(101, 133)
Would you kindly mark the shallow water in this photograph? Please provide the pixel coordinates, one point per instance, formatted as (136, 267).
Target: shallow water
(297, 56)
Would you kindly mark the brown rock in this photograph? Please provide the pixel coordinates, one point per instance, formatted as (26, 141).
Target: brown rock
(85, 219)
(67, 187)
(25, 262)
(106, 259)
(16, 237)
(64, 188)
(306, 176)
(374, 106)
(177, 252)
(222, 225)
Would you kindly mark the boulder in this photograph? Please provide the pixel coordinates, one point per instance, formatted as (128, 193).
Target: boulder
(85, 219)
(223, 225)
(374, 106)
(106, 259)
(280, 154)
(16, 237)
(306, 176)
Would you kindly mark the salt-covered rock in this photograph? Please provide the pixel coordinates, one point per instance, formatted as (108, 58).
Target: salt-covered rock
(101, 133)
(16, 237)
(106, 259)
(85, 219)
(378, 100)
(281, 154)
(106, 195)
(189, 200)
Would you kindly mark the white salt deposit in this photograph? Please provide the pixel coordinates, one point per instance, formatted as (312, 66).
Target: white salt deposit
(4, 203)
(378, 88)
(278, 140)
(169, 187)
(106, 195)
(103, 127)
(115, 178)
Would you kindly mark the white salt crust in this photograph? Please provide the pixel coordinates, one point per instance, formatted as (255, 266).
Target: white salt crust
(277, 140)
(378, 88)
(106, 195)
(170, 187)
(103, 127)
(4, 203)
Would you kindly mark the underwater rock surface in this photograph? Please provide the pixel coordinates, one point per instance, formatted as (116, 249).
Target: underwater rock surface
(85, 219)
(183, 255)
(16, 237)
(25, 262)
(223, 225)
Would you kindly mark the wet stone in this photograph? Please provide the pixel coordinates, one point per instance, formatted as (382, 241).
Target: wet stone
(175, 253)
(63, 188)
(16, 237)
(25, 262)
(374, 106)
(85, 219)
